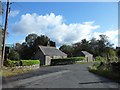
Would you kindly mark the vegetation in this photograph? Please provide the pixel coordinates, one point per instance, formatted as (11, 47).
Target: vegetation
(13, 55)
(29, 62)
(28, 48)
(13, 63)
(99, 59)
(109, 70)
(64, 61)
(12, 71)
(68, 49)
(101, 47)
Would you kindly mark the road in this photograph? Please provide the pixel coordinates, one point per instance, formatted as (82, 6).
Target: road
(64, 76)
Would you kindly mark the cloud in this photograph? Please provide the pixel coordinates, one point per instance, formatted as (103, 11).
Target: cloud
(14, 13)
(112, 35)
(54, 27)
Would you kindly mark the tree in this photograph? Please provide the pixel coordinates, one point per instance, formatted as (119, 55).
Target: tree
(81, 46)
(41, 40)
(18, 47)
(118, 53)
(52, 44)
(94, 47)
(30, 39)
(67, 49)
(85, 45)
(29, 47)
(13, 55)
(104, 45)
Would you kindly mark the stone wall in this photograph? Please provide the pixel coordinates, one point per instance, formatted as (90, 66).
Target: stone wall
(30, 67)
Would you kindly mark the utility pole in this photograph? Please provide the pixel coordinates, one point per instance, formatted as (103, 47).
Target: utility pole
(5, 31)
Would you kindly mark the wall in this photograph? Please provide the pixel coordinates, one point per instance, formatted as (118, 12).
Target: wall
(39, 55)
(48, 59)
(89, 58)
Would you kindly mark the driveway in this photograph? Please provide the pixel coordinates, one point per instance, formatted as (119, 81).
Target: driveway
(64, 76)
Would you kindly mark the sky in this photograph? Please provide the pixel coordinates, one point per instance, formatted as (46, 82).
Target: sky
(63, 22)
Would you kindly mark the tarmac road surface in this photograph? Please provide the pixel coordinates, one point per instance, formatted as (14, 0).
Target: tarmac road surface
(63, 76)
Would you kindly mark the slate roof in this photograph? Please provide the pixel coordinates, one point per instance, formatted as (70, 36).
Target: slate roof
(86, 53)
(51, 51)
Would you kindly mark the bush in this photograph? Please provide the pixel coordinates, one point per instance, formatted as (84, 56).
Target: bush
(62, 61)
(13, 55)
(29, 62)
(78, 58)
(99, 58)
(96, 64)
(13, 63)
(66, 60)
(111, 71)
(115, 66)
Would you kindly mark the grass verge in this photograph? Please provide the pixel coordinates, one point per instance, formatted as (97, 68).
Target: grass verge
(107, 73)
(12, 71)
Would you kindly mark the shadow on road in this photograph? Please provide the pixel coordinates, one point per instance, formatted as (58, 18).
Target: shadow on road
(94, 82)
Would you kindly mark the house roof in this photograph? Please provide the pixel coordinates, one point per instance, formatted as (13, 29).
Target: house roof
(51, 51)
(86, 53)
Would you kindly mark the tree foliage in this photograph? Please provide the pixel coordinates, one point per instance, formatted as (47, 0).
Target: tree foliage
(67, 49)
(28, 48)
(101, 47)
(13, 55)
(30, 39)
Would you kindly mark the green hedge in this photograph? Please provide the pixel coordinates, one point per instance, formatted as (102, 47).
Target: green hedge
(13, 63)
(66, 60)
(78, 58)
(29, 62)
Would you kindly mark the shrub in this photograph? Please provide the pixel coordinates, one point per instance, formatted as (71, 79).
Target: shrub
(70, 60)
(111, 71)
(96, 64)
(99, 58)
(63, 61)
(29, 62)
(13, 55)
(13, 63)
(115, 66)
(78, 58)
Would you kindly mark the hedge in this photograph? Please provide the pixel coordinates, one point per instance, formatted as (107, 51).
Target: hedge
(13, 63)
(78, 58)
(66, 60)
(29, 62)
